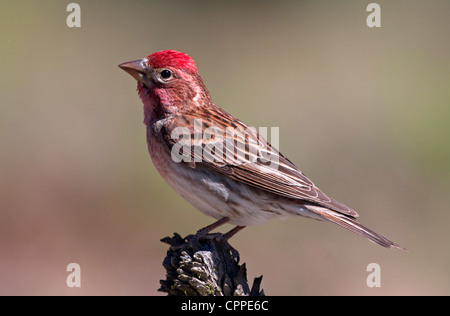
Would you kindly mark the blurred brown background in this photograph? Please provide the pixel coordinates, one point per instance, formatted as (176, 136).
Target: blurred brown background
(365, 113)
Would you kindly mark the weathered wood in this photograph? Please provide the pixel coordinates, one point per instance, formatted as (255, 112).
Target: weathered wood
(205, 265)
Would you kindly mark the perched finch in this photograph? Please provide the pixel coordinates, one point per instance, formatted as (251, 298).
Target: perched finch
(234, 186)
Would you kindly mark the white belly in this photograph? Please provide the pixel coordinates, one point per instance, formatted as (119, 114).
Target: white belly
(214, 195)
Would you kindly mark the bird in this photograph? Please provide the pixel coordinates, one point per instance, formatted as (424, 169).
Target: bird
(187, 138)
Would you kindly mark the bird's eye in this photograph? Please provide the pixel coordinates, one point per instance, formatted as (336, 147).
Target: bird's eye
(166, 74)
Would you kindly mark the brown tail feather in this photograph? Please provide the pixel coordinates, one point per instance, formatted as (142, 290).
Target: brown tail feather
(351, 224)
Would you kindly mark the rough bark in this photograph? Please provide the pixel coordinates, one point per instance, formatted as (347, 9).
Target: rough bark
(205, 265)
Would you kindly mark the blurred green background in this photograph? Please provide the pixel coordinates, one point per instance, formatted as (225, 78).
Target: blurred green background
(365, 113)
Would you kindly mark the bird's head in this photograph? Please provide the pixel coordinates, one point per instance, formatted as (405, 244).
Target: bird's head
(167, 79)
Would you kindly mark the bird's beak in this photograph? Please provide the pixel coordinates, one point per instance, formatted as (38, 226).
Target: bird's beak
(138, 69)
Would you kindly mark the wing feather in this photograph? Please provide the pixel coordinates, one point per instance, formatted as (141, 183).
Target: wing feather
(248, 162)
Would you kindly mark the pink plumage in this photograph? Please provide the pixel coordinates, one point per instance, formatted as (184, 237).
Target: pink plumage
(171, 58)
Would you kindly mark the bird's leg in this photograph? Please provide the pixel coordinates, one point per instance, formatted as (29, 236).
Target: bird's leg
(232, 232)
(207, 229)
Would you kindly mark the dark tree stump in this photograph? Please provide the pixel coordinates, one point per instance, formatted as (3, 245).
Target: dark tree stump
(205, 265)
